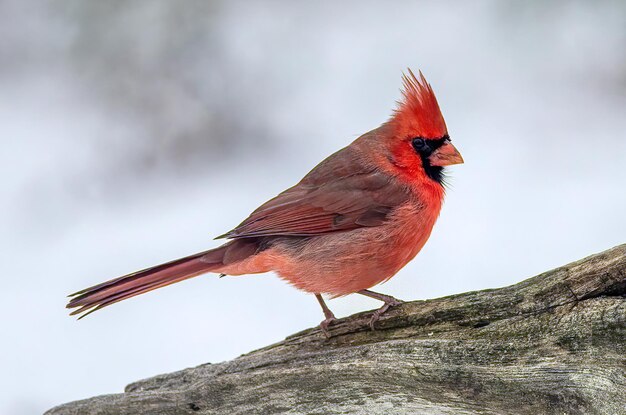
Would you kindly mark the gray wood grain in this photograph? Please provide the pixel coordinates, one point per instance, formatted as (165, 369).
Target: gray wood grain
(552, 344)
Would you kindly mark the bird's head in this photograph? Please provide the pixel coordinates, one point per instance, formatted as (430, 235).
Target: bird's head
(419, 143)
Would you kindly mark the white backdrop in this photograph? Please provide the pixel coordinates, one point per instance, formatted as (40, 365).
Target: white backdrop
(133, 135)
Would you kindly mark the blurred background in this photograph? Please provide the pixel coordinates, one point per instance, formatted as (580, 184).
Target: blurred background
(134, 132)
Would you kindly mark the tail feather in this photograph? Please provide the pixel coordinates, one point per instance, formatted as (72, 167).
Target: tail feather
(99, 296)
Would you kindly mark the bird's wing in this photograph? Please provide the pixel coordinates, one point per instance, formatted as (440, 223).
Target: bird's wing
(340, 194)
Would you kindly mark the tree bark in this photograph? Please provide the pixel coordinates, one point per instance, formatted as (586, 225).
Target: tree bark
(552, 344)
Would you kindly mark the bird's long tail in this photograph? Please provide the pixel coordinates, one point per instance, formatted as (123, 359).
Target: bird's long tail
(99, 296)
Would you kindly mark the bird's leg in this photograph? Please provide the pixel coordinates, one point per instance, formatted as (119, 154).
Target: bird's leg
(387, 299)
(330, 317)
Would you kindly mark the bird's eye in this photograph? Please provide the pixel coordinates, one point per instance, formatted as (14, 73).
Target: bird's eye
(420, 145)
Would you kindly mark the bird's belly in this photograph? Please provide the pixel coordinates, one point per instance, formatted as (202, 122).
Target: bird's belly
(346, 262)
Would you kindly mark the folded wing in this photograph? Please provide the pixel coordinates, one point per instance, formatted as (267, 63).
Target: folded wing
(339, 194)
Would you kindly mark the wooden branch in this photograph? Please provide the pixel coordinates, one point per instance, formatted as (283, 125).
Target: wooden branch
(552, 344)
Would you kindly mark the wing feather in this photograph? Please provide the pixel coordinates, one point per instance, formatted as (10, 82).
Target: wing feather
(341, 193)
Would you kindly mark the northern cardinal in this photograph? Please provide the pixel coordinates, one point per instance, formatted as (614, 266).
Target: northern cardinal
(352, 222)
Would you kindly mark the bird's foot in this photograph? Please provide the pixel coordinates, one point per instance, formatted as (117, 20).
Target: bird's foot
(376, 314)
(389, 303)
(330, 317)
(324, 325)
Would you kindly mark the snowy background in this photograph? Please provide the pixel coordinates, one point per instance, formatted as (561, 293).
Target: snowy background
(134, 132)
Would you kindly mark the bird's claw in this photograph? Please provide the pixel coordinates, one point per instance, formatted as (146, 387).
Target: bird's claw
(324, 326)
(389, 303)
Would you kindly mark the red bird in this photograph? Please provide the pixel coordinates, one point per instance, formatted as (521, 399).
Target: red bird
(352, 222)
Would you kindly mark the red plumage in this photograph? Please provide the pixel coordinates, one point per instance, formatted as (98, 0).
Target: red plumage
(418, 113)
(349, 224)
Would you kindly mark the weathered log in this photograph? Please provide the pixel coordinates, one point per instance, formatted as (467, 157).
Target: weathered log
(552, 344)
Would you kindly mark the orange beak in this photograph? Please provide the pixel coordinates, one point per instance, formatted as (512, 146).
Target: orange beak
(446, 155)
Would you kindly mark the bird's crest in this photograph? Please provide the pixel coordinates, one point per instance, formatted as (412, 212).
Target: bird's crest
(418, 113)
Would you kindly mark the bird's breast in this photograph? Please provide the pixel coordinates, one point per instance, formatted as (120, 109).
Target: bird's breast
(346, 262)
